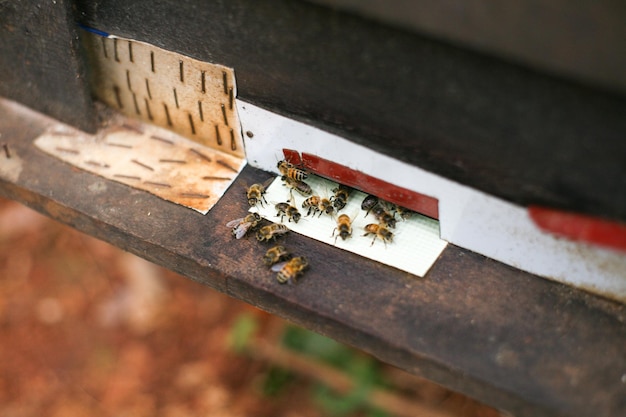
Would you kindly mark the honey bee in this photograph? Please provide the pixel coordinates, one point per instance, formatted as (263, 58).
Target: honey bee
(243, 225)
(404, 212)
(369, 203)
(379, 232)
(272, 231)
(286, 209)
(290, 270)
(340, 198)
(275, 255)
(311, 204)
(283, 166)
(300, 186)
(344, 227)
(317, 204)
(383, 216)
(255, 194)
(289, 170)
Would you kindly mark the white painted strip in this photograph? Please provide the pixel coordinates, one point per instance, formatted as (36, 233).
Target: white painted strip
(468, 218)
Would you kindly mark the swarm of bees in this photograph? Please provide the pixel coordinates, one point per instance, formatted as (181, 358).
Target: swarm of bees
(278, 259)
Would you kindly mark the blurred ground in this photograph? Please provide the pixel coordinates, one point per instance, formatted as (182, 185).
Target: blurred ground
(89, 330)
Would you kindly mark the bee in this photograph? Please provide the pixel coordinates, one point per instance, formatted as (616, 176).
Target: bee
(272, 231)
(275, 255)
(289, 170)
(243, 225)
(283, 166)
(340, 198)
(286, 209)
(290, 270)
(344, 227)
(379, 232)
(404, 212)
(300, 186)
(255, 194)
(317, 204)
(311, 203)
(369, 203)
(383, 216)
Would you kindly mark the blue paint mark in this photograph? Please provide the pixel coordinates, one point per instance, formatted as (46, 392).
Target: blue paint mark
(92, 30)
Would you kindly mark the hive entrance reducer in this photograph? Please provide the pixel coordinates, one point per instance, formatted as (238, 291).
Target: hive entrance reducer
(180, 135)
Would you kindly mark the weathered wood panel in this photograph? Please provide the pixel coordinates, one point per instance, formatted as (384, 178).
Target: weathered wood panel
(40, 62)
(515, 341)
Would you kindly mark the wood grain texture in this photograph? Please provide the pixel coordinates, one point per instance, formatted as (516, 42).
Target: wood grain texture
(40, 62)
(513, 132)
(513, 340)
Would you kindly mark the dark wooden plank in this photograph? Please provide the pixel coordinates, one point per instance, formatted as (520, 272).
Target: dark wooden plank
(515, 133)
(40, 62)
(515, 341)
(559, 36)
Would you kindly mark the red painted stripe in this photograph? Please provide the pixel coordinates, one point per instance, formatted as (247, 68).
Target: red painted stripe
(292, 156)
(580, 227)
(420, 203)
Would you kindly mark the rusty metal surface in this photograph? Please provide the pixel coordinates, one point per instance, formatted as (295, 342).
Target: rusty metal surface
(515, 341)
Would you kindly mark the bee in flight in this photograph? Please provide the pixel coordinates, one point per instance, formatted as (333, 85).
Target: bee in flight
(340, 198)
(379, 232)
(272, 231)
(243, 225)
(344, 227)
(317, 204)
(300, 186)
(255, 194)
(286, 209)
(290, 270)
(276, 254)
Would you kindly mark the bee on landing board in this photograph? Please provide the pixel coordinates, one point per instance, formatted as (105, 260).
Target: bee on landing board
(300, 186)
(283, 166)
(344, 227)
(275, 255)
(290, 270)
(272, 231)
(340, 198)
(317, 204)
(379, 232)
(242, 225)
(255, 194)
(404, 212)
(369, 203)
(286, 209)
(383, 216)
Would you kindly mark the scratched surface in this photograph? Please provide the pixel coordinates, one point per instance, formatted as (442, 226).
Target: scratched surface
(148, 158)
